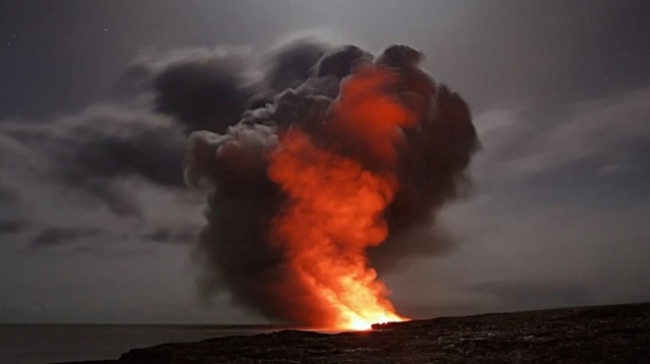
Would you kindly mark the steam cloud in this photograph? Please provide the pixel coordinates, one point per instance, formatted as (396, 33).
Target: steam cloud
(301, 89)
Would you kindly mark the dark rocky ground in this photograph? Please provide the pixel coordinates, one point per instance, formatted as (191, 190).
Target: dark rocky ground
(603, 334)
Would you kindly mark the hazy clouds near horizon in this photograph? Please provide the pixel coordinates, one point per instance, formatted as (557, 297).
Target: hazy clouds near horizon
(559, 93)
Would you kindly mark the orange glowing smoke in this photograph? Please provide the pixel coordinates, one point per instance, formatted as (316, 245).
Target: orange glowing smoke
(336, 206)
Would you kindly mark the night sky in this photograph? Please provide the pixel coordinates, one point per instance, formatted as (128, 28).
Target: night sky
(558, 213)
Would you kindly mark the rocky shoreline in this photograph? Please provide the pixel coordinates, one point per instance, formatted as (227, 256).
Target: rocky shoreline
(600, 334)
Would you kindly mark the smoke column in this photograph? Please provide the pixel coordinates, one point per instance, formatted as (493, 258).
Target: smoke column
(324, 185)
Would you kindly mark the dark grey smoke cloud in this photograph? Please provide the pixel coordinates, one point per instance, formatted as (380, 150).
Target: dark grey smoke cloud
(204, 91)
(234, 249)
(291, 64)
(210, 89)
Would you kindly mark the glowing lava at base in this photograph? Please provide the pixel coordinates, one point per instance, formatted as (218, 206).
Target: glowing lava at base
(335, 207)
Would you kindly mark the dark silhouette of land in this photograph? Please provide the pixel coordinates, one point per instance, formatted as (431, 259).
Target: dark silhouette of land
(600, 334)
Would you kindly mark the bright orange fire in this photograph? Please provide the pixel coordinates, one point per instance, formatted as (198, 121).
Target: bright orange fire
(335, 209)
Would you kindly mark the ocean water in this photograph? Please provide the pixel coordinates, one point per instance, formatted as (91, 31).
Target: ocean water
(41, 344)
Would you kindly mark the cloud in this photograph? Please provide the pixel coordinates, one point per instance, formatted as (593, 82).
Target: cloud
(8, 195)
(609, 130)
(51, 236)
(90, 152)
(104, 171)
(538, 257)
(11, 226)
(55, 236)
(181, 235)
(558, 214)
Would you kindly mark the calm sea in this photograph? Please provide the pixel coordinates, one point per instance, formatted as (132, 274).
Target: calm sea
(40, 344)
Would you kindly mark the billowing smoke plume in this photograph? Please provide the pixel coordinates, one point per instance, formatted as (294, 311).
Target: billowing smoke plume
(343, 103)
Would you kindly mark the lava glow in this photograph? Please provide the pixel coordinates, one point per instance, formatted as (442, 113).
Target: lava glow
(335, 208)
